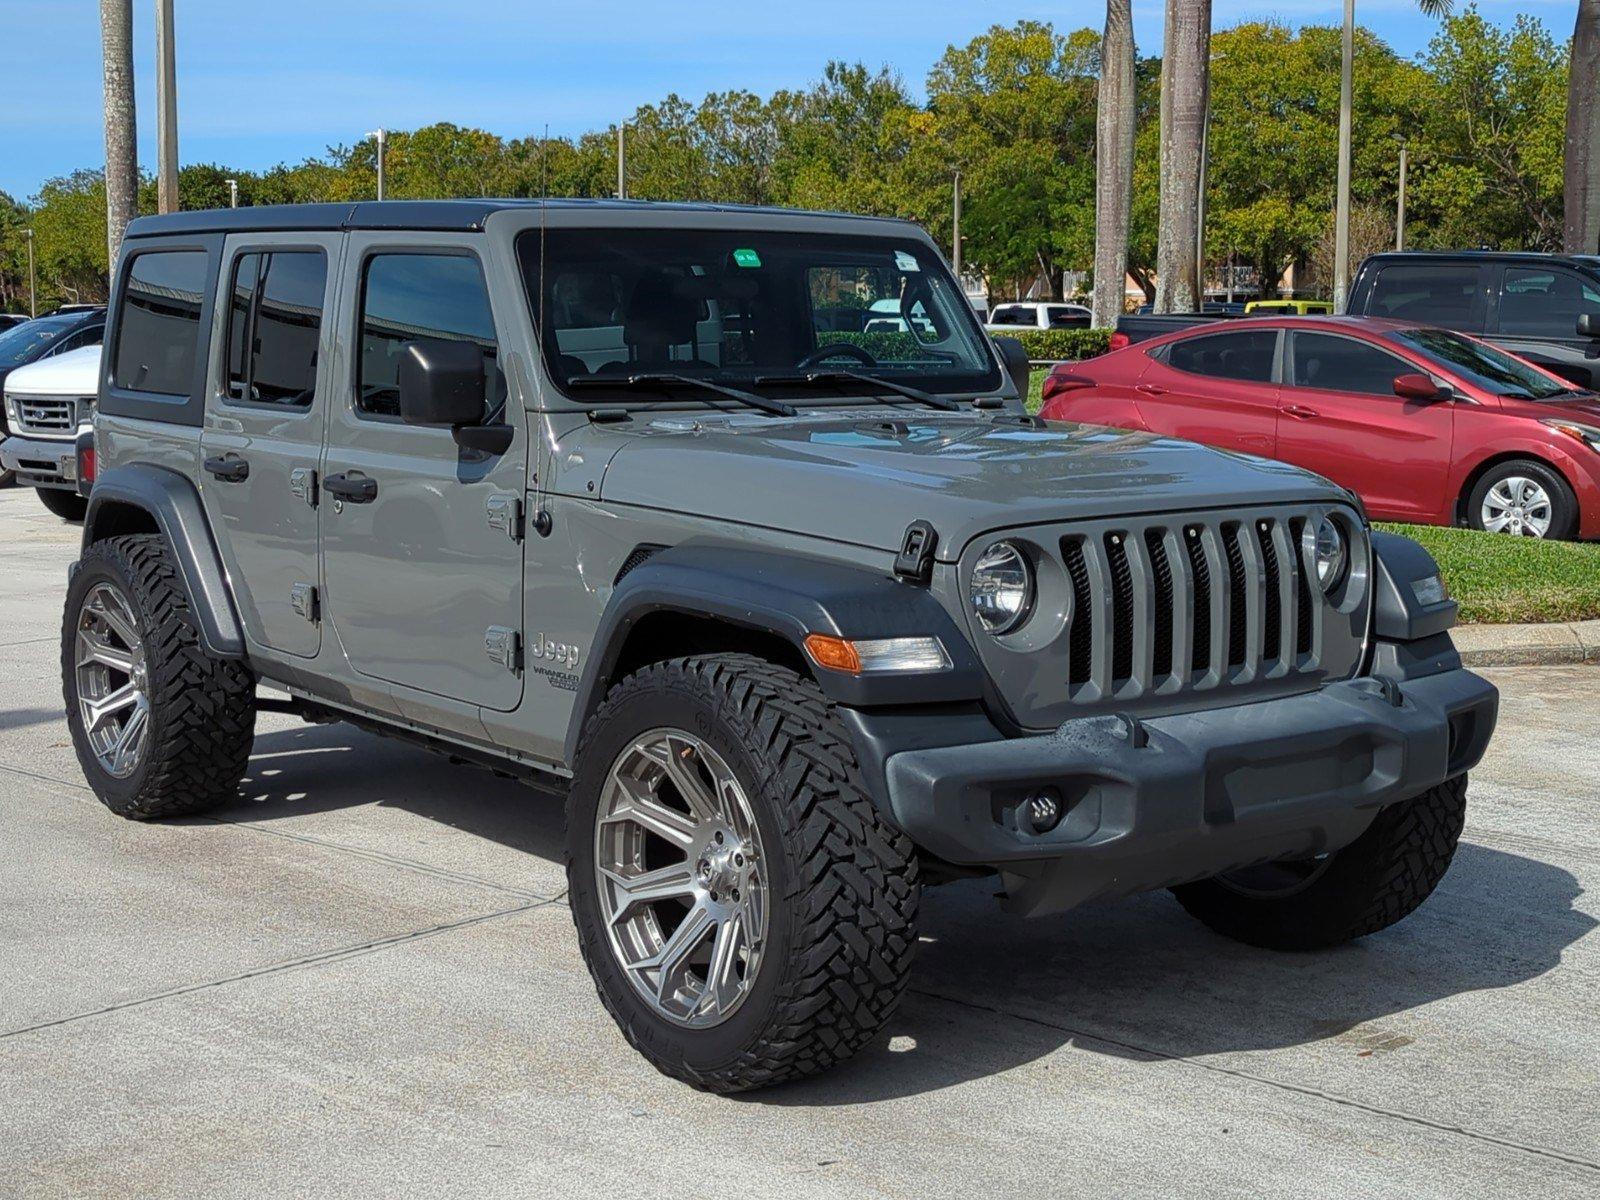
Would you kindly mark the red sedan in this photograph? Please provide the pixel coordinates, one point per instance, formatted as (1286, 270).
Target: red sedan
(1423, 424)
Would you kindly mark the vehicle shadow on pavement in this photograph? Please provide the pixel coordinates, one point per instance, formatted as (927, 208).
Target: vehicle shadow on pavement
(1140, 979)
(1135, 978)
(321, 768)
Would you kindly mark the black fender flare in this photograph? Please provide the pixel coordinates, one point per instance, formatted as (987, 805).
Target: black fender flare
(173, 503)
(1398, 613)
(787, 595)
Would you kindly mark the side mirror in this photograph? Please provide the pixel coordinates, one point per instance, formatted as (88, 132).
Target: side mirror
(1589, 325)
(1414, 385)
(1015, 358)
(441, 383)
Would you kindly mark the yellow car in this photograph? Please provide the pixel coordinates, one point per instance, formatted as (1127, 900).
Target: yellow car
(1294, 308)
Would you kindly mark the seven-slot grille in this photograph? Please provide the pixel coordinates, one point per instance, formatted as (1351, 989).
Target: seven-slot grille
(45, 414)
(1189, 605)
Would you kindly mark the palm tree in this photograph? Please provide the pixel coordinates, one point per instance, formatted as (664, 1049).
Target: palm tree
(1341, 219)
(122, 155)
(1185, 94)
(1582, 227)
(1113, 192)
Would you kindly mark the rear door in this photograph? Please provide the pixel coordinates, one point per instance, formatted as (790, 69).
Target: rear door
(1340, 418)
(1217, 388)
(1537, 318)
(423, 570)
(267, 391)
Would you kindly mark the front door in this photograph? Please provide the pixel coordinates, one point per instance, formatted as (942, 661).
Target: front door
(1341, 418)
(423, 571)
(1219, 389)
(1537, 319)
(267, 403)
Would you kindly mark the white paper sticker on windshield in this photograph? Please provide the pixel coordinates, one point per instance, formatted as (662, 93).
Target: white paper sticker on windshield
(906, 262)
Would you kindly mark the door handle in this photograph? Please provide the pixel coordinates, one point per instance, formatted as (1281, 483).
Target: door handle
(352, 486)
(1300, 411)
(229, 468)
(1150, 389)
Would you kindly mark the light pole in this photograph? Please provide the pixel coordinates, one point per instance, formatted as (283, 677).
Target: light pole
(622, 161)
(955, 233)
(233, 193)
(381, 136)
(33, 302)
(166, 111)
(1400, 203)
(1341, 215)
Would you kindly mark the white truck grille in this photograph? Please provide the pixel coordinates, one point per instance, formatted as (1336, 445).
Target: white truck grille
(45, 415)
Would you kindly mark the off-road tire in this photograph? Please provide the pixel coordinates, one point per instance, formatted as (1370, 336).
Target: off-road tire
(202, 709)
(1563, 503)
(1380, 878)
(69, 506)
(843, 883)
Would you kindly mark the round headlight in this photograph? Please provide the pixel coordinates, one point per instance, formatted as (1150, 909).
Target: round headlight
(1002, 588)
(1329, 549)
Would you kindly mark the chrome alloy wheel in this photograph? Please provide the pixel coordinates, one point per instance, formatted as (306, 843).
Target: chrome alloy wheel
(1517, 505)
(113, 681)
(681, 877)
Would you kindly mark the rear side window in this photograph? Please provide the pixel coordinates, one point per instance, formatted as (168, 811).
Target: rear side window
(1434, 292)
(1247, 355)
(412, 297)
(159, 330)
(274, 325)
(1539, 302)
(1011, 314)
(1340, 364)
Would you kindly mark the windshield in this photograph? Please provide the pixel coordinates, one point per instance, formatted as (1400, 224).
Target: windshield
(22, 343)
(1480, 364)
(751, 309)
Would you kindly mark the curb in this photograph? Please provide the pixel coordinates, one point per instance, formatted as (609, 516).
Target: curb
(1528, 645)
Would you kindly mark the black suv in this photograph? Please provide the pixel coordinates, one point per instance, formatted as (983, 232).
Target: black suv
(1544, 307)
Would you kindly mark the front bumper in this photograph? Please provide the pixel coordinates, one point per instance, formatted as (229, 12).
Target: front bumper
(1167, 800)
(42, 462)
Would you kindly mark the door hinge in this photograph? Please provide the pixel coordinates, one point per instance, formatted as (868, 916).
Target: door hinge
(504, 647)
(303, 483)
(303, 596)
(505, 514)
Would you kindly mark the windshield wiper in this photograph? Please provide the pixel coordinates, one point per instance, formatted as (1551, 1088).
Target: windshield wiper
(657, 379)
(900, 389)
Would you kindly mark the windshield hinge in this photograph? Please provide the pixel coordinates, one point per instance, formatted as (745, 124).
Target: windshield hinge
(915, 560)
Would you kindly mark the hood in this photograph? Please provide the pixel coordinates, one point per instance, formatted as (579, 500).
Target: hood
(75, 373)
(1583, 409)
(862, 477)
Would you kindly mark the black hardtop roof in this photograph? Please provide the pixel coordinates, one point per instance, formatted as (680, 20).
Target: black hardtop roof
(464, 216)
(1591, 261)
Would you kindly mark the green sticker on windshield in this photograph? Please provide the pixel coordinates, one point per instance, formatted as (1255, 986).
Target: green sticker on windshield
(747, 258)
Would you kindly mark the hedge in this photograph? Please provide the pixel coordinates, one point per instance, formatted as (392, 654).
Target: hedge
(1042, 345)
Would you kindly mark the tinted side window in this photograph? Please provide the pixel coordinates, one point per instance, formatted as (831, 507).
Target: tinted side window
(1341, 364)
(274, 324)
(1543, 302)
(408, 297)
(1009, 315)
(1437, 292)
(1247, 356)
(160, 322)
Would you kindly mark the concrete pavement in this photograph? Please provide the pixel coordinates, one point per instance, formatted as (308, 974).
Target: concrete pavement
(361, 979)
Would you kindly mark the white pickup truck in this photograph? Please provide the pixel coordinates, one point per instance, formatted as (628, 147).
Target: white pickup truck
(48, 404)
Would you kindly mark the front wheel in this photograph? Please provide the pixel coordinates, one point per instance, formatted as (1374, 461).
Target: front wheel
(69, 506)
(1523, 498)
(745, 913)
(1378, 879)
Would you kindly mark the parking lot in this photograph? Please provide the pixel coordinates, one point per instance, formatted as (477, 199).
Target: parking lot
(361, 979)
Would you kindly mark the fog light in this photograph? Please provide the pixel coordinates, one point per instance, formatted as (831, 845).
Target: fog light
(1041, 812)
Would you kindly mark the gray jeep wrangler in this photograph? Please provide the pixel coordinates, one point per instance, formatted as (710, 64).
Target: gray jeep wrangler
(810, 615)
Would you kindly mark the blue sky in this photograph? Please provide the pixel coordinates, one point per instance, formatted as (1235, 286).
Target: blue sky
(265, 81)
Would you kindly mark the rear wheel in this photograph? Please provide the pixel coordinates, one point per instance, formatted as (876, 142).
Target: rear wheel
(69, 506)
(1523, 498)
(746, 915)
(1380, 878)
(160, 727)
